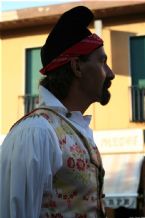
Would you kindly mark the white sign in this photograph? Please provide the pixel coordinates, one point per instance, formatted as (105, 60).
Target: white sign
(127, 140)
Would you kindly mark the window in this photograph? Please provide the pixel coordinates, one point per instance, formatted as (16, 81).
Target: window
(137, 52)
(33, 65)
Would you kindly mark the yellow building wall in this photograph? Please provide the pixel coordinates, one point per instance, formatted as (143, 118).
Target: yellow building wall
(0, 85)
(13, 69)
(115, 115)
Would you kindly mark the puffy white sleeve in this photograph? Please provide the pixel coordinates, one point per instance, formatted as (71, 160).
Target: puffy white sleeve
(30, 157)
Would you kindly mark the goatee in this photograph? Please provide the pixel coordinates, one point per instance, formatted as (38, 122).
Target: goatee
(105, 97)
(105, 93)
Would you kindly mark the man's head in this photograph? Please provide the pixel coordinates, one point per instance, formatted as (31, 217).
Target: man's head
(70, 48)
(96, 77)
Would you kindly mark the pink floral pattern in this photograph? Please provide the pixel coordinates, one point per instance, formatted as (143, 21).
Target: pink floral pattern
(62, 140)
(71, 162)
(76, 158)
(81, 165)
(76, 148)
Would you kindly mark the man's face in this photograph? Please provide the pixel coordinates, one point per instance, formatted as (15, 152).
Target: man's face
(96, 77)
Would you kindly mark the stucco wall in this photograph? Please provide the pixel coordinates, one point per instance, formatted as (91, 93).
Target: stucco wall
(0, 85)
(13, 69)
(115, 115)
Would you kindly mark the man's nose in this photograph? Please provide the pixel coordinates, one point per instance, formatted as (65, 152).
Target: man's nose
(110, 73)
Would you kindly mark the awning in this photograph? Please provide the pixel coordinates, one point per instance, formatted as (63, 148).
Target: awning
(122, 177)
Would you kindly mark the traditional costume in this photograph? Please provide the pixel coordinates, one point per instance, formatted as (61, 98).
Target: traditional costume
(50, 165)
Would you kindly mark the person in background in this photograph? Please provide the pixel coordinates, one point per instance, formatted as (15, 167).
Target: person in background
(50, 165)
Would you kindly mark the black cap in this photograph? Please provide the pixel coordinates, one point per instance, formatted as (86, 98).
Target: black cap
(69, 30)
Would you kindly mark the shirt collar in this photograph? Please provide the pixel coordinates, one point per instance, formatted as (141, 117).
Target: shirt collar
(48, 99)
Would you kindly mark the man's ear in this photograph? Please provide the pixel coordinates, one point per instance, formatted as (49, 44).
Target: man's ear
(75, 65)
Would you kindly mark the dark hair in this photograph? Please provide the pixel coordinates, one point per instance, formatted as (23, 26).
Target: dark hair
(59, 81)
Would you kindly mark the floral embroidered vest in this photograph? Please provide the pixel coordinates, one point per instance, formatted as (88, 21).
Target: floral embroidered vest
(77, 186)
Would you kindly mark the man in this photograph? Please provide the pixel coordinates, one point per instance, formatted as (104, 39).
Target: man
(50, 165)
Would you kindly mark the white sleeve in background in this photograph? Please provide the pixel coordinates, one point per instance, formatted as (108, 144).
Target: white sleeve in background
(30, 157)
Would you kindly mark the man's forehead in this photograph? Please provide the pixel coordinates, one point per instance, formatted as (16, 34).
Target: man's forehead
(100, 53)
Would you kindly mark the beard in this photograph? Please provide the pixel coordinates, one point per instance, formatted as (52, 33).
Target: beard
(105, 98)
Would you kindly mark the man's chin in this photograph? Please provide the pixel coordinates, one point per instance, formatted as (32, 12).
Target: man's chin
(105, 98)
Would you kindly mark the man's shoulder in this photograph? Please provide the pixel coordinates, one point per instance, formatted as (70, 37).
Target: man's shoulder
(32, 121)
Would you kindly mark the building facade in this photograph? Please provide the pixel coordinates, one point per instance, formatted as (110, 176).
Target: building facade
(122, 27)
(23, 32)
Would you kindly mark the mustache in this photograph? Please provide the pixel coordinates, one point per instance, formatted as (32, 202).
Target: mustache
(107, 83)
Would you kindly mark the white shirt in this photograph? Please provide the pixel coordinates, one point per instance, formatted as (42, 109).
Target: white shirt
(30, 156)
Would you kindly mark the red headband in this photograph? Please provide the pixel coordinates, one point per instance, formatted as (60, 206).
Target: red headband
(83, 47)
